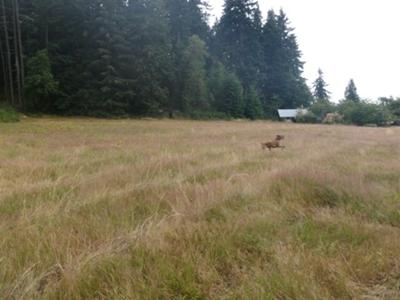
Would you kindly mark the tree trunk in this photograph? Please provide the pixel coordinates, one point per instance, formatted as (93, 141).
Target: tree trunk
(20, 52)
(8, 53)
(4, 68)
(16, 55)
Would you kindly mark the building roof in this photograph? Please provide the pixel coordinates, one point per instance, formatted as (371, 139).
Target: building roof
(287, 113)
(290, 113)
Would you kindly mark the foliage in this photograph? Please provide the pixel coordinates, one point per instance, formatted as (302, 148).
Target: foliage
(253, 105)
(394, 108)
(194, 86)
(363, 113)
(216, 78)
(392, 105)
(282, 65)
(207, 115)
(237, 39)
(320, 88)
(151, 58)
(230, 101)
(333, 118)
(8, 114)
(40, 84)
(321, 108)
(308, 117)
(351, 92)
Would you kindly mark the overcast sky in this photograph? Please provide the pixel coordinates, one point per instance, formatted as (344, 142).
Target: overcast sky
(346, 39)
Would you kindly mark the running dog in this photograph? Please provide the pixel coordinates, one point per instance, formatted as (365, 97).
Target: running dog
(274, 144)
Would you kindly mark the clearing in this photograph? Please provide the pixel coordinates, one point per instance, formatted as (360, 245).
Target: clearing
(159, 209)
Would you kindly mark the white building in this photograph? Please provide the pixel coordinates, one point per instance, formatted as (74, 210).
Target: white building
(291, 114)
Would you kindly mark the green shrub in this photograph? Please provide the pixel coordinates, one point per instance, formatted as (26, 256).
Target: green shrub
(307, 118)
(40, 85)
(321, 108)
(363, 113)
(207, 115)
(392, 106)
(8, 114)
(333, 118)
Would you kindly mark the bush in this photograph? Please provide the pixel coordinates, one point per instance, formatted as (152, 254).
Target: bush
(333, 118)
(8, 114)
(317, 113)
(321, 108)
(307, 118)
(253, 108)
(207, 115)
(40, 84)
(363, 113)
(393, 107)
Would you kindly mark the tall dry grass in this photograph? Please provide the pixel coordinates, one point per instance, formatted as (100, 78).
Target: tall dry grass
(95, 209)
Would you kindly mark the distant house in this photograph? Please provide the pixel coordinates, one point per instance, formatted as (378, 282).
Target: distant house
(291, 114)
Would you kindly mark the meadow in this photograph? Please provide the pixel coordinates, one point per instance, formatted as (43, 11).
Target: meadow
(160, 209)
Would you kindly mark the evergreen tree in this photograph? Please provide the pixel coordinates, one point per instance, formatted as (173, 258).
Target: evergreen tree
(351, 92)
(253, 109)
(238, 39)
(320, 88)
(230, 100)
(104, 92)
(194, 75)
(150, 63)
(11, 52)
(216, 78)
(143, 57)
(283, 68)
(40, 82)
(185, 19)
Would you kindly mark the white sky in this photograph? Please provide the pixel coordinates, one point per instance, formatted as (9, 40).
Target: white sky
(357, 39)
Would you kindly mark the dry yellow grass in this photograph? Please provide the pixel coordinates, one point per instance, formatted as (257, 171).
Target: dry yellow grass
(196, 210)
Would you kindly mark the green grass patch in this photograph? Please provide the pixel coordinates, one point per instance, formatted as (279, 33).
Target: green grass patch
(8, 114)
(308, 191)
(16, 203)
(229, 208)
(330, 238)
(383, 210)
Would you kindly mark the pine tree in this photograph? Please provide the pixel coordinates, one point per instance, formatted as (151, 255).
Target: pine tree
(282, 65)
(230, 100)
(40, 82)
(140, 57)
(184, 19)
(253, 109)
(320, 88)
(351, 92)
(238, 39)
(105, 94)
(216, 78)
(151, 65)
(194, 75)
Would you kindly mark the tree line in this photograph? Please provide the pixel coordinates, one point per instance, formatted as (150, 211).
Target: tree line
(352, 109)
(148, 57)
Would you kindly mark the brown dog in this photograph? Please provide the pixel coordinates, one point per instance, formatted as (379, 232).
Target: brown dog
(274, 144)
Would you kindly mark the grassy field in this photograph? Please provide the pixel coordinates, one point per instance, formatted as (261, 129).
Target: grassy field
(96, 209)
